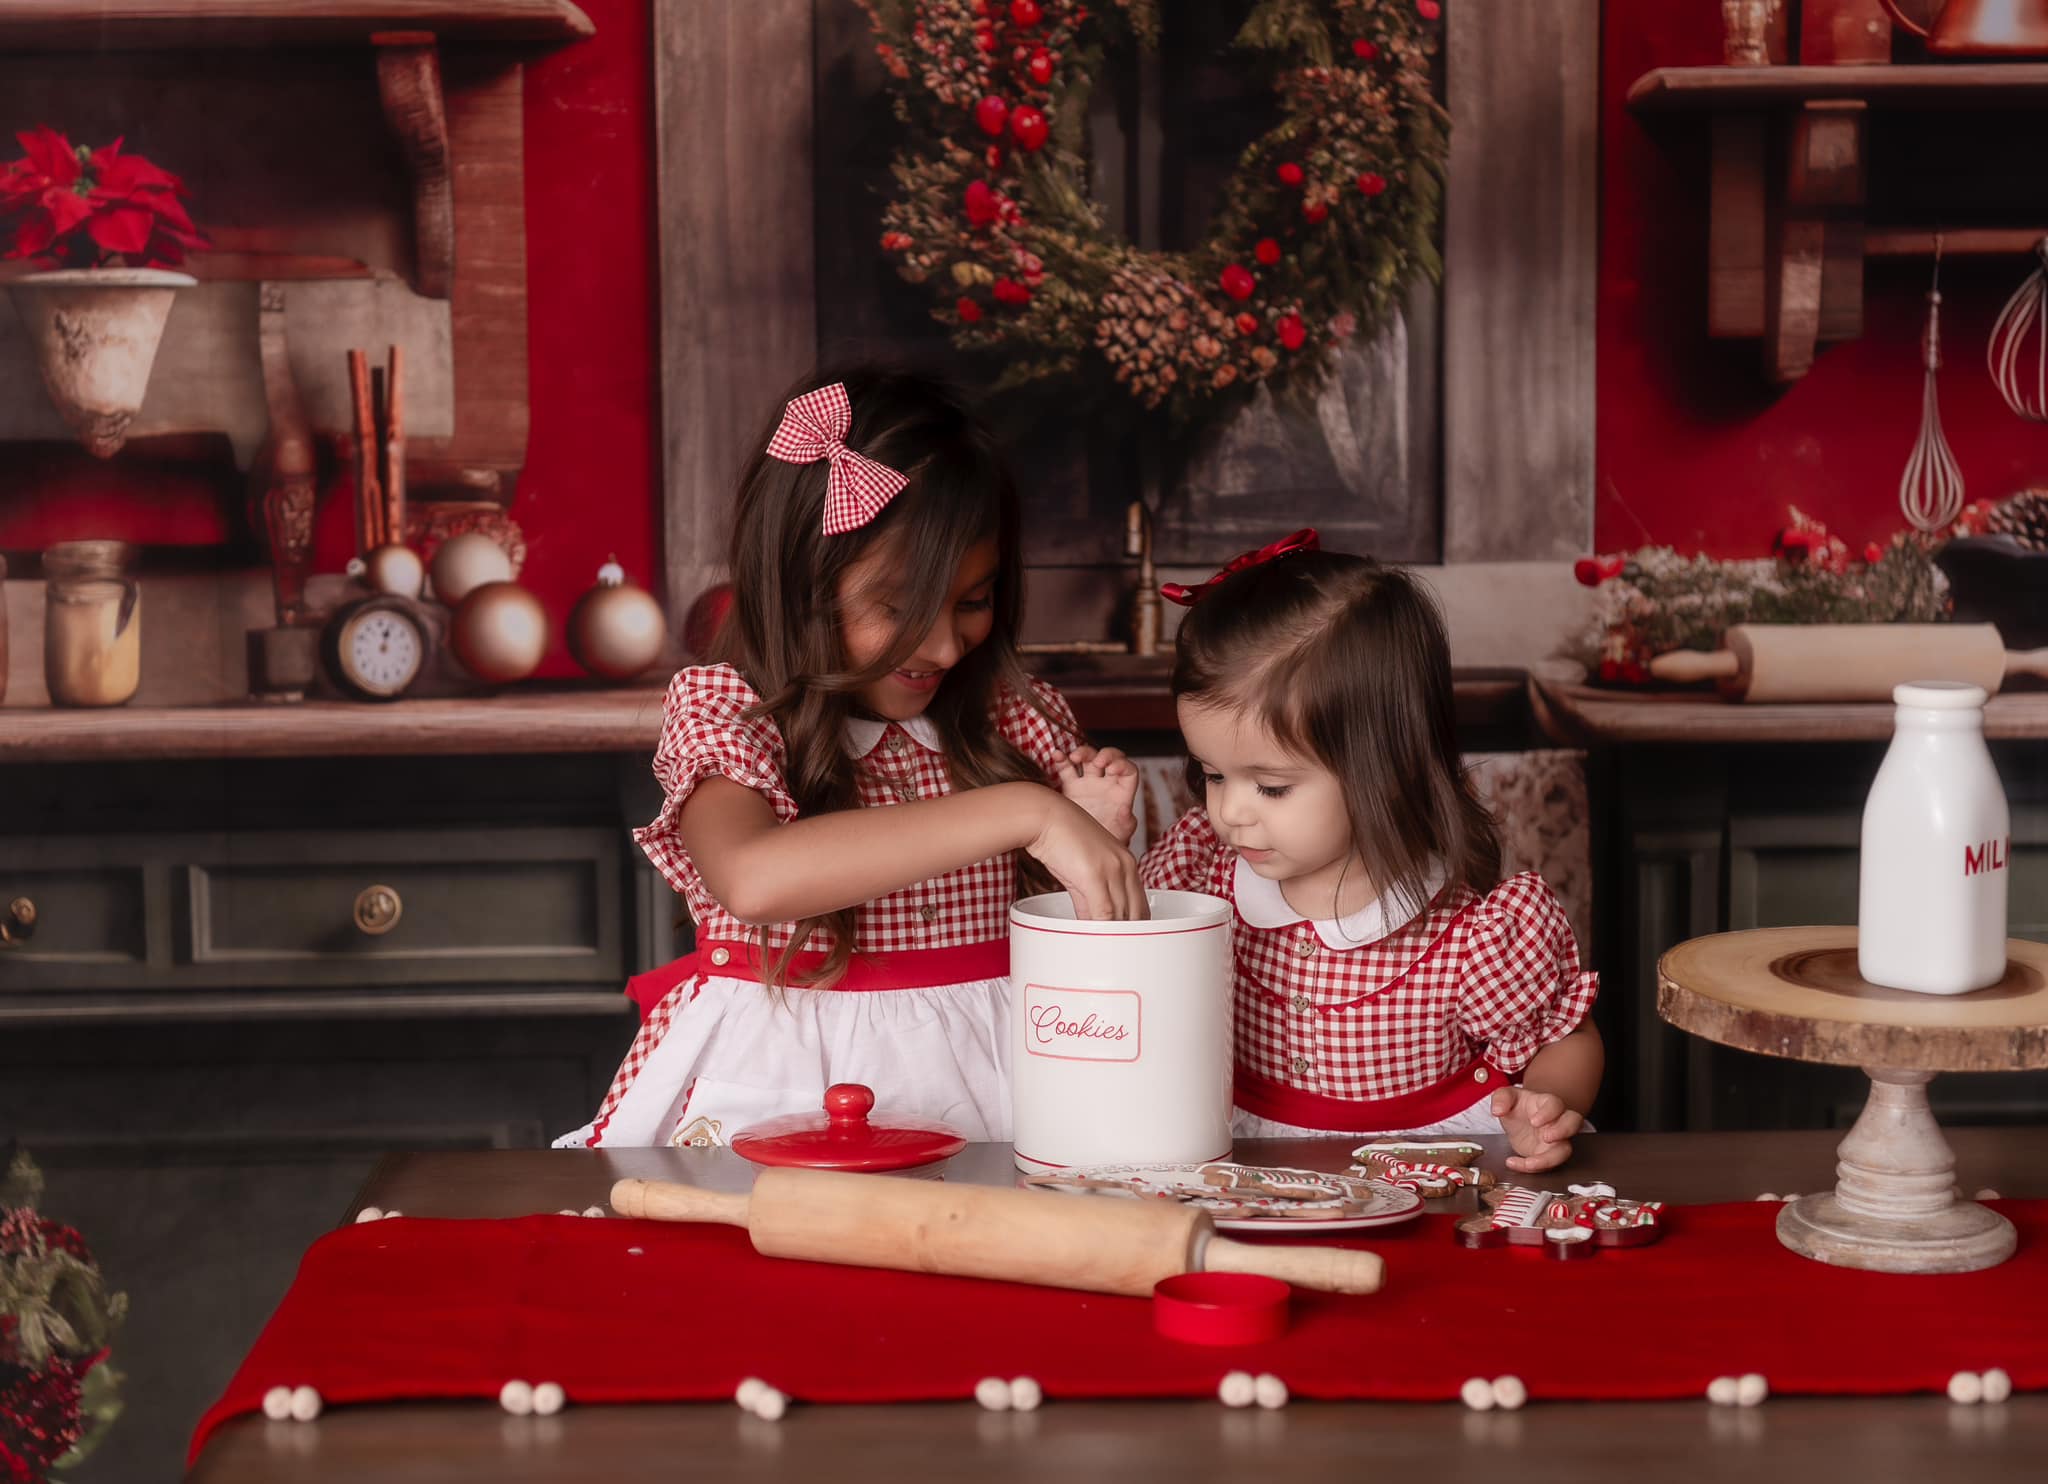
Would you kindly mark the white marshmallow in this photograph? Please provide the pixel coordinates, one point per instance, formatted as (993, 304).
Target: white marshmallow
(1237, 1389)
(277, 1403)
(993, 1392)
(568, 1211)
(548, 1398)
(1270, 1392)
(593, 1211)
(1997, 1386)
(1477, 1394)
(1751, 1390)
(1026, 1394)
(770, 1405)
(516, 1397)
(749, 1392)
(1509, 1394)
(369, 1213)
(1987, 1194)
(305, 1404)
(1724, 1391)
(1767, 1196)
(1966, 1387)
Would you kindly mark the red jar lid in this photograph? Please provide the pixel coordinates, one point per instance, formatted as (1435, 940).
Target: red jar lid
(1220, 1308)
(843, 1138)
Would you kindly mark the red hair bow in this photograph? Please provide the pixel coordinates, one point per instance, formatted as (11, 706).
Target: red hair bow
(1304, 539)
(814, 427)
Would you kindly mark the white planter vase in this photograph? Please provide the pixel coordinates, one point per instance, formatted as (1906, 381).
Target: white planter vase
(95, 333)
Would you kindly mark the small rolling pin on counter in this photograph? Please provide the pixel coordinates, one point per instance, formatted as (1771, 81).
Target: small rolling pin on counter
(1848, 662)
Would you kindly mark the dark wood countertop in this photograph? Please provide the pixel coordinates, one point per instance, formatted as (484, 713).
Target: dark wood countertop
(561, 718)
(1578, 715)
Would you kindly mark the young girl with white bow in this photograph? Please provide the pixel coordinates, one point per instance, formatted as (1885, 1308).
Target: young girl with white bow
(852, 802)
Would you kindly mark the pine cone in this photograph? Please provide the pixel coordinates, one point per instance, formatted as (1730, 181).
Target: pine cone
(2024, 517)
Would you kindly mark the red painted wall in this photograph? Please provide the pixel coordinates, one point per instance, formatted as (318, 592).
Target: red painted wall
(1695, 448)
(592, 473)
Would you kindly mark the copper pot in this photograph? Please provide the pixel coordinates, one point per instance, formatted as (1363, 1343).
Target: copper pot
(1981, 28)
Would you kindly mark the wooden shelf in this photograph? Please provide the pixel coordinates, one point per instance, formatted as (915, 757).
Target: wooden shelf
(1585, 716)
(1788, 187)
(559, 718)
(1933, 85)
(154, 25)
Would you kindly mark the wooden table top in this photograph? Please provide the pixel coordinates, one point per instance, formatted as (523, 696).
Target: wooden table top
(1578, 715)
(1869, 1439)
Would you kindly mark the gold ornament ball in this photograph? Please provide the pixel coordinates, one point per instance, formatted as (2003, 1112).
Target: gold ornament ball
(397, 570)
(616, 630)
(464, 563)
(499, 632)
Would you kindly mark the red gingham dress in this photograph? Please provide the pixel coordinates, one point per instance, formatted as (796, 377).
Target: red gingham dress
(718, 1053)
(1469, 988)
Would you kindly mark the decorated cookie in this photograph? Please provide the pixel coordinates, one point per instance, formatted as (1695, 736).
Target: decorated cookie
(1430, 1170)
(1568, 1224)
(1247, 1195)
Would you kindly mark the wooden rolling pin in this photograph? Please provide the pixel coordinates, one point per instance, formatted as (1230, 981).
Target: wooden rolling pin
(1098, 1243)
(1848, 662)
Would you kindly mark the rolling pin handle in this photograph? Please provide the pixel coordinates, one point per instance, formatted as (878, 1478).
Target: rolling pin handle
(1324, 1269)
(1684, 666)
(667, 1200)
(2026, 662)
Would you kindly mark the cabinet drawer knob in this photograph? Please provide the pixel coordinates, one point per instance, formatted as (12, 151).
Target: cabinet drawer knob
(378, 909)
(19, 924)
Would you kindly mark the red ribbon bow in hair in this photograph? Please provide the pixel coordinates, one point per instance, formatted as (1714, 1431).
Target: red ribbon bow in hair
(814, 427)
(1304, 539)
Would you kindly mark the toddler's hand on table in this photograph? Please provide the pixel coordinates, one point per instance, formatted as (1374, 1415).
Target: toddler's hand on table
(1105, 783)
(1538, 1125)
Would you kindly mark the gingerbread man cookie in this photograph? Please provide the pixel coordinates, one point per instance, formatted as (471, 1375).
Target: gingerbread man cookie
(1430, 1170)
(1568, 1224)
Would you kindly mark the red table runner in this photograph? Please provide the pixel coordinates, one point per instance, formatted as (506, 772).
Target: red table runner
(631, 1311)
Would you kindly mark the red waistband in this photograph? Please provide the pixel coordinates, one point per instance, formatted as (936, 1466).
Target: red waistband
(1426, 1105)
(915, 968)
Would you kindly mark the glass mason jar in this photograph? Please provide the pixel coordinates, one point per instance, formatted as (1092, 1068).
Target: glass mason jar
(92, 628)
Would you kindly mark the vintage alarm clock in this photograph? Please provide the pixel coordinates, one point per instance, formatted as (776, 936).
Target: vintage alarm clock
(377, 647)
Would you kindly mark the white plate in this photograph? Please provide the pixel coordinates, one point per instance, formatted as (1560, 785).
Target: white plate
(1386, 1204)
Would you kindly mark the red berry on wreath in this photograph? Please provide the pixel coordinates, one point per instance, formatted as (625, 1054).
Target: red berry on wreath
(1364, 50)
(1372, 183)
(1587, 571)
(981, 7)
(986, 40)
(1247, 324)
(1040, 67)
(1291, 330)
(1267, 252)
(1030, 127)
(1009, 291)
(1315, 211)
(1873, 553)
(1290, 174)
(983, 205)
(1429, 10)
(1026, 12)
(968, 310)
(992, 113)
(1237, 281)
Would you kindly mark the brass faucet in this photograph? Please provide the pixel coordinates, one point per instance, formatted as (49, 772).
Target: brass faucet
(1144, 614)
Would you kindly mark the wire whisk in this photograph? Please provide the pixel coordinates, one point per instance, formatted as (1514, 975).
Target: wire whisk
(1931, 489)
(2020, 376)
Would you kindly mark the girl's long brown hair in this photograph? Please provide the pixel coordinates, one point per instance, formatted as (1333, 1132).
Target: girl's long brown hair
(1346, 663)
(784, 634)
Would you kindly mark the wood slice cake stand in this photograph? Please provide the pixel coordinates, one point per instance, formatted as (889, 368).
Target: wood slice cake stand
(1795, 992)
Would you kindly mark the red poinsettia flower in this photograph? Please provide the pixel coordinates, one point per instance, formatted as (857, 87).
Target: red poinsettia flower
(83, 208)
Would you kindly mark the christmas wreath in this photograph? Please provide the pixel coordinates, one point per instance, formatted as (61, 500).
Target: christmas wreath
(1328, 217)
(57, 1392)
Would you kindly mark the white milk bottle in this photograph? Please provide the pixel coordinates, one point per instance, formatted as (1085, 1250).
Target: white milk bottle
(1936, 849)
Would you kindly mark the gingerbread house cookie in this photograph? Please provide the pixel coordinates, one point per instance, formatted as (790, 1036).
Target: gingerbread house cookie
(1568, 1224)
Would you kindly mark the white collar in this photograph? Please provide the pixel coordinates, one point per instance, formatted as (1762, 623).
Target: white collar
(862, 733)
(1260, 903)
